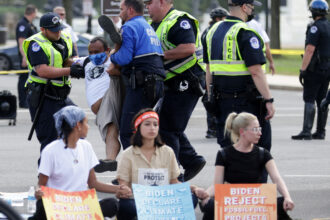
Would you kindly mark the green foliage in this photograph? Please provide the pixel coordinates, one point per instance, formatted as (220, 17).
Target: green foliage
(184, 5)
(12, 9)
(39, 3)
(287, 65)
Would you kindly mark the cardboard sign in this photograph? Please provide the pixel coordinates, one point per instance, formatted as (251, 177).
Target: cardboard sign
(60, 205)
(167, 202)
(245, 202)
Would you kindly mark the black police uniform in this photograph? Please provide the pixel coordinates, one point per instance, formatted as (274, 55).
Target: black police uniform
(24, 29)
(178, 105)
(238, 93)
(316, 79)
(211, 120)
(55, 99)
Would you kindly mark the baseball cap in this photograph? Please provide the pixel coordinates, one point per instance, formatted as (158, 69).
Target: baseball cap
(52, 22)
(241, 2)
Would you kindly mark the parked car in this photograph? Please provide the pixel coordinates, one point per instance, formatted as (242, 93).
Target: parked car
(9, 59)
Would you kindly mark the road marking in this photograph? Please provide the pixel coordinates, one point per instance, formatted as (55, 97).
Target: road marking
(321, 219)
(196, 116)
(310, 176)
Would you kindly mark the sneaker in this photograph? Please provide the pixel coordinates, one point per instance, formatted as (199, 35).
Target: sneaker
(108, 26)
(106, 165)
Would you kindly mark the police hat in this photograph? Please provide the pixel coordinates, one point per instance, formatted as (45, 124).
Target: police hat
(241, 2)
(218, 12)
(52, 22)
(319, 7)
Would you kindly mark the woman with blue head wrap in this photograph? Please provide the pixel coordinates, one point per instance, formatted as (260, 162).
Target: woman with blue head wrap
(68, 163)
(67, 120)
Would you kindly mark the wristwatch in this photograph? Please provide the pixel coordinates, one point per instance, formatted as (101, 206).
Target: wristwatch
(271, 100)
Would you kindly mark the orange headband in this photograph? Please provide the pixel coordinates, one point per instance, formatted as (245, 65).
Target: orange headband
(145, 116)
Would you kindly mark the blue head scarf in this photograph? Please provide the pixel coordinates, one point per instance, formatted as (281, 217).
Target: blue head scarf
(71, 114)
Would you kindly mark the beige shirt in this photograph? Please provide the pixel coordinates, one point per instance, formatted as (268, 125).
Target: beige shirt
(133, 159)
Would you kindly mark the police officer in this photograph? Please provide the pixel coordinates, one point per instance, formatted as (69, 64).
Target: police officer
(217, 14)
(24, 30)
(234, 59)
(141, 59)
(62, 13)
(180, 38)
(315, 70)
(46, 52)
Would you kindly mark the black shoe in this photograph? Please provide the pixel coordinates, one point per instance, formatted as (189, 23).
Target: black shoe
(210, 134)
(193, 170)
(302, 136)
(108, 26)
(23, 106)
(106, 165)
(115, 182)
(318, 136)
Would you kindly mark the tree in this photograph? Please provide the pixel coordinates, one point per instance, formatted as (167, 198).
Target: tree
(67, 4)
(275, 24)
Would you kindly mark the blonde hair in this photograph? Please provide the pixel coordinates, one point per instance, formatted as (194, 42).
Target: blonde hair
(236, 121)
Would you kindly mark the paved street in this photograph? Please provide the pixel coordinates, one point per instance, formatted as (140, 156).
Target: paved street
(304, 165)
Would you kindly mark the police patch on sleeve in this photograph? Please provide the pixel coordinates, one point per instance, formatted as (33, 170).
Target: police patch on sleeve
(21, 28)
(35, 47)
(254, 42)
(313, 29)
(185, 24)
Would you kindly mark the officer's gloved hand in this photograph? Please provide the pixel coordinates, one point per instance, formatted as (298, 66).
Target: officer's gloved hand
(324, 105)
(77, 71)
(302, 75)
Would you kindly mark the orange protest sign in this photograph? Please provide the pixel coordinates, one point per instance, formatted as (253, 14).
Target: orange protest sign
(245, 202)
(60, 205)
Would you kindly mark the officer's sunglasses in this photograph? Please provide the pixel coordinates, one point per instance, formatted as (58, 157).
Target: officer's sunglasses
(250, 6)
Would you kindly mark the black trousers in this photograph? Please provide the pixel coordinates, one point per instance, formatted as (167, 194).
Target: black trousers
(316, 87)
(22, 102)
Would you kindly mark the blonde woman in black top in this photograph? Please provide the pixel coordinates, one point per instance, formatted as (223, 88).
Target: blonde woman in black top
(243, 162)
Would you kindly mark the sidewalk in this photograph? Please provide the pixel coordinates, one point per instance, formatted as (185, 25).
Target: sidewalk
(284, 82)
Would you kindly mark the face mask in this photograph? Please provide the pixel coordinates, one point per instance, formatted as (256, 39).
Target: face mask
(98, 59)
(250, 17)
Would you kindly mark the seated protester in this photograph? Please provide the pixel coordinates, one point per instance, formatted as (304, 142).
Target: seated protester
(149, 155)
(104, 98)
(243, 162)
(67, 163)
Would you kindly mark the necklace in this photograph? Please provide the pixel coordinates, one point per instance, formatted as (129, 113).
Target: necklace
(75, 156)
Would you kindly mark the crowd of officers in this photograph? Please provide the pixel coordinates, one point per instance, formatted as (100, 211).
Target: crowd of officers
(168, 60)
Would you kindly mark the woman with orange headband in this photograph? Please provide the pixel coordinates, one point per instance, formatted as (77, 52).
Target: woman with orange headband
(148, 161)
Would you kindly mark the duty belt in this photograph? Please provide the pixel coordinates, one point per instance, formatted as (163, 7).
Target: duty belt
(139, 78)
(325, 60)
(235, 95)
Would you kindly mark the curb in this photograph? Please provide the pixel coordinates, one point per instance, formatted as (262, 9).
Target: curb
(286, 87)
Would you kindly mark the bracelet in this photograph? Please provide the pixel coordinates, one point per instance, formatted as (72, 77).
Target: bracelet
(271, 100)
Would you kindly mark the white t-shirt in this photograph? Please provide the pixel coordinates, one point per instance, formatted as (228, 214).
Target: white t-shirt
(255, 25)
(66, 174)
(68, 29)
(97, 80)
